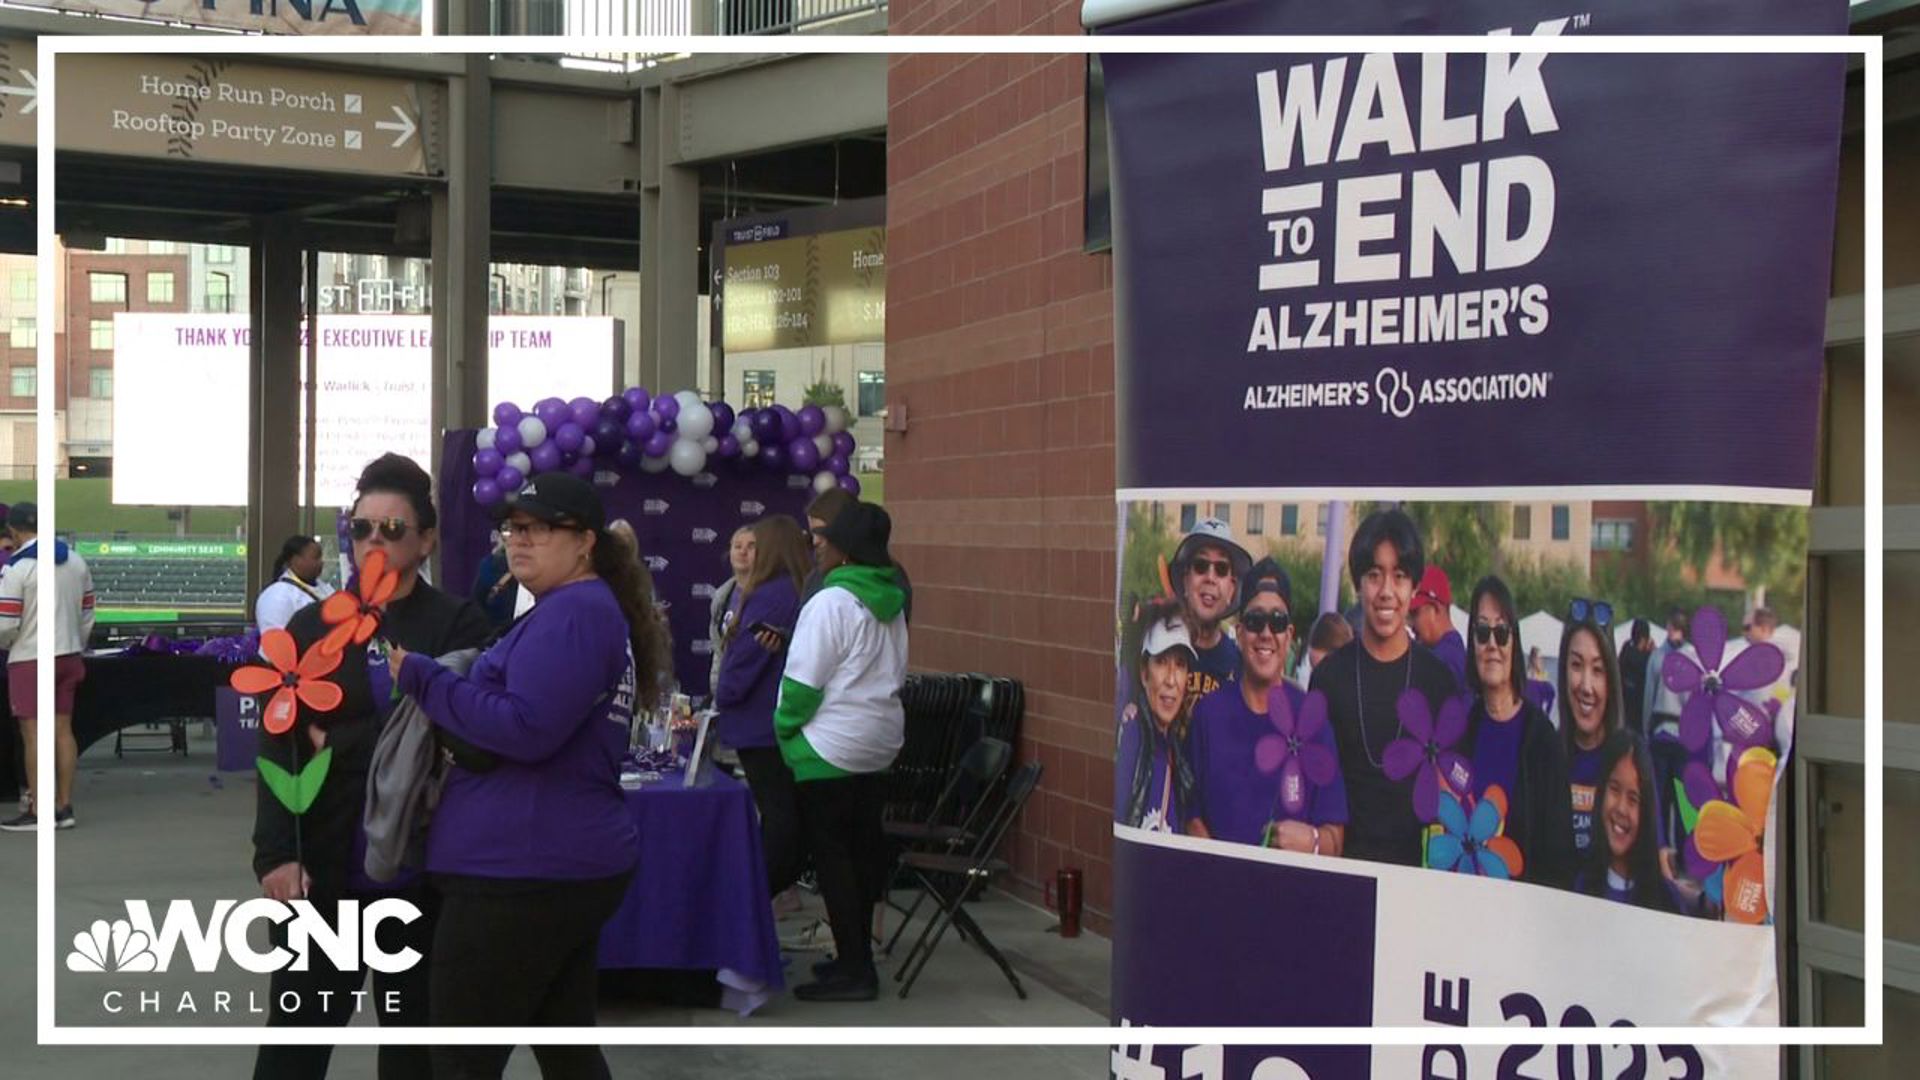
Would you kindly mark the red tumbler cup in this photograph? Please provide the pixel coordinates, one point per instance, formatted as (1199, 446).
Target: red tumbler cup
(1063, 896)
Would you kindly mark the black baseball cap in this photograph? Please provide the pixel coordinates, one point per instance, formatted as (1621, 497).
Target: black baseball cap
(559, 498)
(23, 516)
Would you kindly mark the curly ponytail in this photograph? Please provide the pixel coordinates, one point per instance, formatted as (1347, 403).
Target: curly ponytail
(617, 561)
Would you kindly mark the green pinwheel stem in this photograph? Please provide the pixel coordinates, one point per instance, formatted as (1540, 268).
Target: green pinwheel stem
(296, 792)
(1689, 813)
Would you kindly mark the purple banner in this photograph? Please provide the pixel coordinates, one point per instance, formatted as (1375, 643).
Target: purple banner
(683, 524)
(1432, 257)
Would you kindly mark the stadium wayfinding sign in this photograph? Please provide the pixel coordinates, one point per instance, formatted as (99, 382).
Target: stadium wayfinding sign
(210, 109)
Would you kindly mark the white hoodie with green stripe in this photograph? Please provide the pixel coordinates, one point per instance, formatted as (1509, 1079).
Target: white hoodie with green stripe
(839, 711)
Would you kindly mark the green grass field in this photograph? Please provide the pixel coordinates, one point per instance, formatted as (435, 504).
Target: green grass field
(85, 507)
(873, 488)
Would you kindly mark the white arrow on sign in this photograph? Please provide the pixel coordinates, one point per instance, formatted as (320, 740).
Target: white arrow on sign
(405, 127)
(31, 92)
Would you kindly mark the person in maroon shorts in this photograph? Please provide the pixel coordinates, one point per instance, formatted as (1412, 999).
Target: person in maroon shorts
(20, 617)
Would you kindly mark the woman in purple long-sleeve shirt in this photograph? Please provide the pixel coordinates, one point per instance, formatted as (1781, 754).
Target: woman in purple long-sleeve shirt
(532, 855)
(749, 688)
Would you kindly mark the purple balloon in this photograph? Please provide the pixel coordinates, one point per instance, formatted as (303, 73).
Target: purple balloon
(551, 411)
(837, 465)
(628, 456)
(722, 417)
(487, 462)
(506, 414)
(669, 425)
(658, 444)
(812, 419)
(609, 431)
(509, 478)
(545, 457)
(589, 446)
(582, 468)
(640, 425)
(585, 410)
(766, 426)
(729, 447)
(569, 437)
(843, 444)
(802, 455)
(850, 485)
(507, 440)
(637, 398)
(666, 408)
(616, 408)
(773, 456)
(789, 423)
(486, 492)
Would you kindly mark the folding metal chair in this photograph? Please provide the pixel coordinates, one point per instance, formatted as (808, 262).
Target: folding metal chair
(951, 877)
(954, 820)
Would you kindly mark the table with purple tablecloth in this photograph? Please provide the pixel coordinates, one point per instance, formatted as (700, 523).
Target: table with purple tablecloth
(699, 897)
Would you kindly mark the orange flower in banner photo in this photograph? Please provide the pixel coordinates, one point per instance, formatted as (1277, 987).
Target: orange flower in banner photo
(293, 682)
(1733, 834)
(355, 614)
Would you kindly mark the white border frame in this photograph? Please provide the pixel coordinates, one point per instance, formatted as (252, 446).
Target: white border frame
(1868, 47)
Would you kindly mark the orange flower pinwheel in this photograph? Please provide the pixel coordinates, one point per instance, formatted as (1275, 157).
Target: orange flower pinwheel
(293, 682)
(355, 615)
(1733, 834)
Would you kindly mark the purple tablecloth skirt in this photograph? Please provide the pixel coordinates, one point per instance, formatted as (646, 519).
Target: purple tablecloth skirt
(699, 897)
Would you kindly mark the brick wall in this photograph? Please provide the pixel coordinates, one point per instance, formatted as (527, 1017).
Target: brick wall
(1000, 352)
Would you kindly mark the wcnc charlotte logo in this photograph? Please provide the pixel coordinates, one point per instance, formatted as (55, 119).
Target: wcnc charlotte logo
(136, 945)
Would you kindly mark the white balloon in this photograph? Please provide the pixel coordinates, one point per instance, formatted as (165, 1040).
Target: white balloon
(710, 444)
(824, 481)
(836, 419)
(653, 464)
(519, 460)
(533, 431)
(742, 432)
(484, 441)
(750, 448)
(687, 399)
(824, 444)
(695, 420)
(687, 457)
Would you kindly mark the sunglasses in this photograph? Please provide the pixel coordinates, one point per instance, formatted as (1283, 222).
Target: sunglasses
(1257, 622)
(1582, 609)
(392, 530)
(1499, 633)
(1220, 568)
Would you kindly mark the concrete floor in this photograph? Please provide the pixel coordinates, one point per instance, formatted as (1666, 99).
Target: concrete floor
(163, 827)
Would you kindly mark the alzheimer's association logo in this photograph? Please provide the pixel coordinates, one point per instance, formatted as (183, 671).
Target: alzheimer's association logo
(105, 948)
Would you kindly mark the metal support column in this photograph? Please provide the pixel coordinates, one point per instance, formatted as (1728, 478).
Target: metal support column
(273, 397)
(669, 248)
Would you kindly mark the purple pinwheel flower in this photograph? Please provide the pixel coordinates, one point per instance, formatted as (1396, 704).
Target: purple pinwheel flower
(1715, 691)
(1471, 843)
(1425, 751)
(1292, 751)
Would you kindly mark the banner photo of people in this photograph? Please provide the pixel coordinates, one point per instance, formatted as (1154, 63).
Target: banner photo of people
(1468, 409)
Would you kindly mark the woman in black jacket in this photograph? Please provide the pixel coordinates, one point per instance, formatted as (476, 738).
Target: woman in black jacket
(1512, 744)
(319, 855)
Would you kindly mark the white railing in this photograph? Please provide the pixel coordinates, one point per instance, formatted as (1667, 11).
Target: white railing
(632, 18)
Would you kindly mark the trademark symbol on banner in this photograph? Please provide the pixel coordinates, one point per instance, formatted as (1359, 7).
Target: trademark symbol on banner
(1581, 22)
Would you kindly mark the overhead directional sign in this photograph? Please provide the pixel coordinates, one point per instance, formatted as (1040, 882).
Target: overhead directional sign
(19, 92)
(209, 109)
(271, 17)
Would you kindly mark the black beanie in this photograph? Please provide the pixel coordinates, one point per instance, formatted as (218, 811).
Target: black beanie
(861, 532)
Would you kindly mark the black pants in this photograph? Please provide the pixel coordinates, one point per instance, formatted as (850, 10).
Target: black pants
(325, 996)
(841, 819)
(1669, 765)
(520, 955)
(781, 841)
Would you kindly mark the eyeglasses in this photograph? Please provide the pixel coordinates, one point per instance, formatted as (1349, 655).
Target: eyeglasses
(1600, 612)
(1498, 633)
(1221, 568)
(532, 531)
(1257, 622)
(392, 530)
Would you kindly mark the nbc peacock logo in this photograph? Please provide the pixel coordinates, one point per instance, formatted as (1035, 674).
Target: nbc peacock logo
(112, 947)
